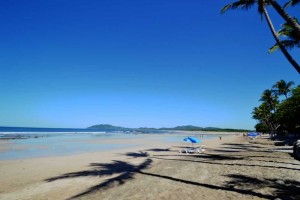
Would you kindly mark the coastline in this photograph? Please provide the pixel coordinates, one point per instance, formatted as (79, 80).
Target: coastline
(18, 174)
(150, 161)
(73, 143)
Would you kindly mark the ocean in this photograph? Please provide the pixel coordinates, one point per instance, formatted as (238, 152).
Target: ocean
(25, 143)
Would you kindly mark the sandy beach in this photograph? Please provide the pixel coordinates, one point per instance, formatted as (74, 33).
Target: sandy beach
(230, 168)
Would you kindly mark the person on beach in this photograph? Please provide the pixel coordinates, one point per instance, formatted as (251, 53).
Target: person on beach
(220, 137)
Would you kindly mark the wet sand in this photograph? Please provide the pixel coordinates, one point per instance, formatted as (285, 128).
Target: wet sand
(231, 168)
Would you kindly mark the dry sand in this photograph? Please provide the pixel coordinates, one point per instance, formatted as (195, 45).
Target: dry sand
(231, 168)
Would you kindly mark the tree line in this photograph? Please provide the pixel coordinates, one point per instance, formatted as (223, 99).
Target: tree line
(279, 111)
(288, 36)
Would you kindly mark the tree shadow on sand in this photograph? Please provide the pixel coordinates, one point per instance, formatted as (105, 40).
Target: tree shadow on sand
(124, 171)
(127, 172)
(273, 161)
(245, 146)
(119, 172)
(246, 185)
(283, 189)
(139, 154)
(215, 157)
(145, 153)
(159, 150)
(212, 160)
(226, 150)
(210, 186)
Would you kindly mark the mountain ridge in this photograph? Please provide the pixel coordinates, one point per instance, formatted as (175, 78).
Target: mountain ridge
(179, 128)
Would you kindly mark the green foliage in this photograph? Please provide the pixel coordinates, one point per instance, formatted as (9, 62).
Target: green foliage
(283, 88)
(288, 113)
(262, 128)
(274, 115)
(245, 5)
(290, 37)
(291, 29)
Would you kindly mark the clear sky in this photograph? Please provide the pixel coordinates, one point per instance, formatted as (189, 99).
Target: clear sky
(136, 63)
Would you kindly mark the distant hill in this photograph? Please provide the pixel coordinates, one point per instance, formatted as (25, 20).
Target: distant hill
(109, 127)
(196, 128)
(186, 128)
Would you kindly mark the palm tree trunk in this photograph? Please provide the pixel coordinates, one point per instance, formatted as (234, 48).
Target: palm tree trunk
(282, 48)
(286, 17)
(269, 125)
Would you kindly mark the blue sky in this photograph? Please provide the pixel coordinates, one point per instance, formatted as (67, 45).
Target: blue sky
(134, 63)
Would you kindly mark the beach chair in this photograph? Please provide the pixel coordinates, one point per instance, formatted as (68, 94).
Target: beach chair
(193, 150)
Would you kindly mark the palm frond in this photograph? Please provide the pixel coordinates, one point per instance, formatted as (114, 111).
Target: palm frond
(273, 48)
(291, 3)
(225, 8)
(287, 29)
(241, 4)
(289, 44)
(290, 83)
(261, 5)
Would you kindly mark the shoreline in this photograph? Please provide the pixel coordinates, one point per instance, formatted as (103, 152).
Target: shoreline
(18, 174)
(122, 142)
(139, 168)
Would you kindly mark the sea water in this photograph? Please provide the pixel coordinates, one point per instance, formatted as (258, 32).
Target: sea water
(56, 144)
(52, 143)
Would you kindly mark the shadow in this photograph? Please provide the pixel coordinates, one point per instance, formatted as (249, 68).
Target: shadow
(218, 157)
(241, 157)
(284, 189)
(271, 161)
(287, 140)
(253, 156)
(242, 145)
(228, 164)
(136, 155)
(254, 149)
(123, 170)
(244, 181)
(227, 151)
(158, 150)
(216, 187)
(287, 189)
(204, 156)
(245, 147)
(238, 148)
(246, 185)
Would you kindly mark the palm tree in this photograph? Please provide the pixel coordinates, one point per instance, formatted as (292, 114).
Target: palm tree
(291, 3)
(270, 99)
(279, 43)
(283, 88)
(261, 116)
(290, 42)
(246, 4)
(290, 20)
(288, 112)
(264, 115)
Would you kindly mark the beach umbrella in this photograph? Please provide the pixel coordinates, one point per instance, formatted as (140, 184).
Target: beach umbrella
(192, 140)
(252, 134)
